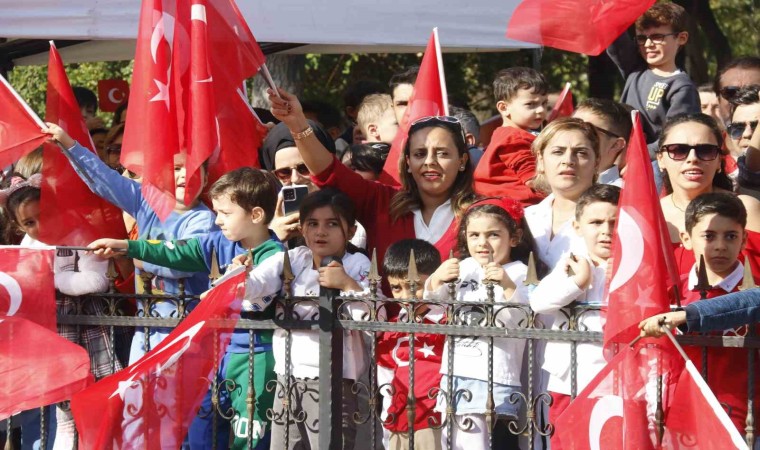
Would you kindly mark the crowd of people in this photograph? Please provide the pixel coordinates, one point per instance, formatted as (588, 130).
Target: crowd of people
(471, 213)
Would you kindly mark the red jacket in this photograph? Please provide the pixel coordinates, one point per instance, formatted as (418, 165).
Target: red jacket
(507, 165)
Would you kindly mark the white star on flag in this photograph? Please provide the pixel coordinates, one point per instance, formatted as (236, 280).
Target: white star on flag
(426, 350)
(163, 93)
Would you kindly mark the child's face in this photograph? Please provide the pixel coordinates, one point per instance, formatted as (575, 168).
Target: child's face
(325, 233)
(527, 109)
(384, 129)
(400, 287)
(235, 222)
(690, 174)
(179, 181)
(569, 163)
(719, 239)
(597, 228)
(28, 216)
(488, 239)
(663, 53)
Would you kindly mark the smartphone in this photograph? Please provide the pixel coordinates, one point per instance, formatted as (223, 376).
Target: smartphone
(292, 196)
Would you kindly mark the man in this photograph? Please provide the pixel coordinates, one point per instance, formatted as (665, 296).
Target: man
(736, 74)
(402, 85)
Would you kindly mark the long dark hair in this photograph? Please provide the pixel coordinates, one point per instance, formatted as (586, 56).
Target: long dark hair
(720, 180)
(408, 198)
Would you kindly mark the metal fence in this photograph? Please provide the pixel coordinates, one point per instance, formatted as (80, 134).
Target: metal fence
(334, 319)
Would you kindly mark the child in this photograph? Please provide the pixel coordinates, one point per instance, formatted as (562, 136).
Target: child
(654, 85)
(366, 159)
(244, 200)
(76, 274)
(715, 230)
(507, 166)
(612, 122)
(327, 221)
(186, 221)
(595, 216)
(491, 236)
(376, 118)
(393, 353)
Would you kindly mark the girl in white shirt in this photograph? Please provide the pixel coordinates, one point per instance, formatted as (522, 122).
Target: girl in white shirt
(327, 222)
(496, 248)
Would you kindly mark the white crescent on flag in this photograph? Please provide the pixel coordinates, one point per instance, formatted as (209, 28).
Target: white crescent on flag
(632, 250)
(14, 293)
(605, 408)
(112, 97)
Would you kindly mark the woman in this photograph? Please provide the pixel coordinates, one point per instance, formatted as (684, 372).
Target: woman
(691, 162)
(436, 180)
(567, 158)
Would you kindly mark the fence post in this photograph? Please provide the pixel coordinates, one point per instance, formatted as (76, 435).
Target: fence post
(330, 373)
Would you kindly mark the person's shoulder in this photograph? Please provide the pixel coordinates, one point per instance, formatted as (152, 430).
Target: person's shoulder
(356, 258)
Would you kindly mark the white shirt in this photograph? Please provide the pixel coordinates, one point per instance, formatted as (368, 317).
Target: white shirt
(470, 354)
(551, 249)
(264, 283)
(439, 223)
(360, 237)
(89, 277)
(553, 293)
(611, 176)
(728, 284)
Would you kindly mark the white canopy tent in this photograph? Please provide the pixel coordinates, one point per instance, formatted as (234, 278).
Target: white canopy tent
(109, 27)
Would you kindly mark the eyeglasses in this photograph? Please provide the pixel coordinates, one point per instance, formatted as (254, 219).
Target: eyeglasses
(113, 148)
(736, 130)
(729, 92)
(679, 152)
(603, 131)
(451, 123)
(656, 38)
(284, 173)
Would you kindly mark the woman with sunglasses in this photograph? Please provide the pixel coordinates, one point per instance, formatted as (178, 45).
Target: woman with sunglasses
(436, 180)
(691, 162)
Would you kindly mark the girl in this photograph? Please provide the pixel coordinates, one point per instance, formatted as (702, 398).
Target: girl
(435, 173)
(567, 158)
(496, 249)
(76, 274)
(327, 223)
(691, 162)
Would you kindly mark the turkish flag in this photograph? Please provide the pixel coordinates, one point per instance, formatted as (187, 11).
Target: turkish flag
(428, 98)
(580, 26)
(19, 126)
(70, 213)
(564, 105)
(616, 409)
(643, 269)
(696, 419)
(112, 94)
(393, 353)
(28, 336)
(191, 61)
(150, 404)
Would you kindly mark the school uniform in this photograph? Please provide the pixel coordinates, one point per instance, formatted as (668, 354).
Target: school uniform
(470, 354)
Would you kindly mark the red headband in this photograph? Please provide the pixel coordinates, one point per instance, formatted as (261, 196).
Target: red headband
(512, 207)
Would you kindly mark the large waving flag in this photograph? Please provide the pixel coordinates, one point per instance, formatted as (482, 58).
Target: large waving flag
(580, 26)
(20, 128)
(150, 404)
(429, 98)
(643, 267)
(187, 99)
(30, 376)
(70, 214)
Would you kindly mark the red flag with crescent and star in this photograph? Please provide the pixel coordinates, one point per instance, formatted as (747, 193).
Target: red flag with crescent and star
(429, 98)
(112, 94)
(28, 336)
(643, 269)
(564, 105)
(20, 128)
(150, 404)
(187, 104)
(70, 213)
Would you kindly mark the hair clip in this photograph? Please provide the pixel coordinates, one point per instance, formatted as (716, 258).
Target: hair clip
(17, 182)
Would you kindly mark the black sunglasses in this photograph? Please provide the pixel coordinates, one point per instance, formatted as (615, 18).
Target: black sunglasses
(284, 173)
(736, 130)
(113, 148)
(603, 131)
(656, 38)
(679, 152)
(448, 122)
(729, 92)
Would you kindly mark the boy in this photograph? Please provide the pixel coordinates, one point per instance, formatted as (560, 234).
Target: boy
(595, 216)
(508, 166)
(393, 353)
(715, 225)
(654, 85)
(612, 122)
(244, 200)
(376, 118)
